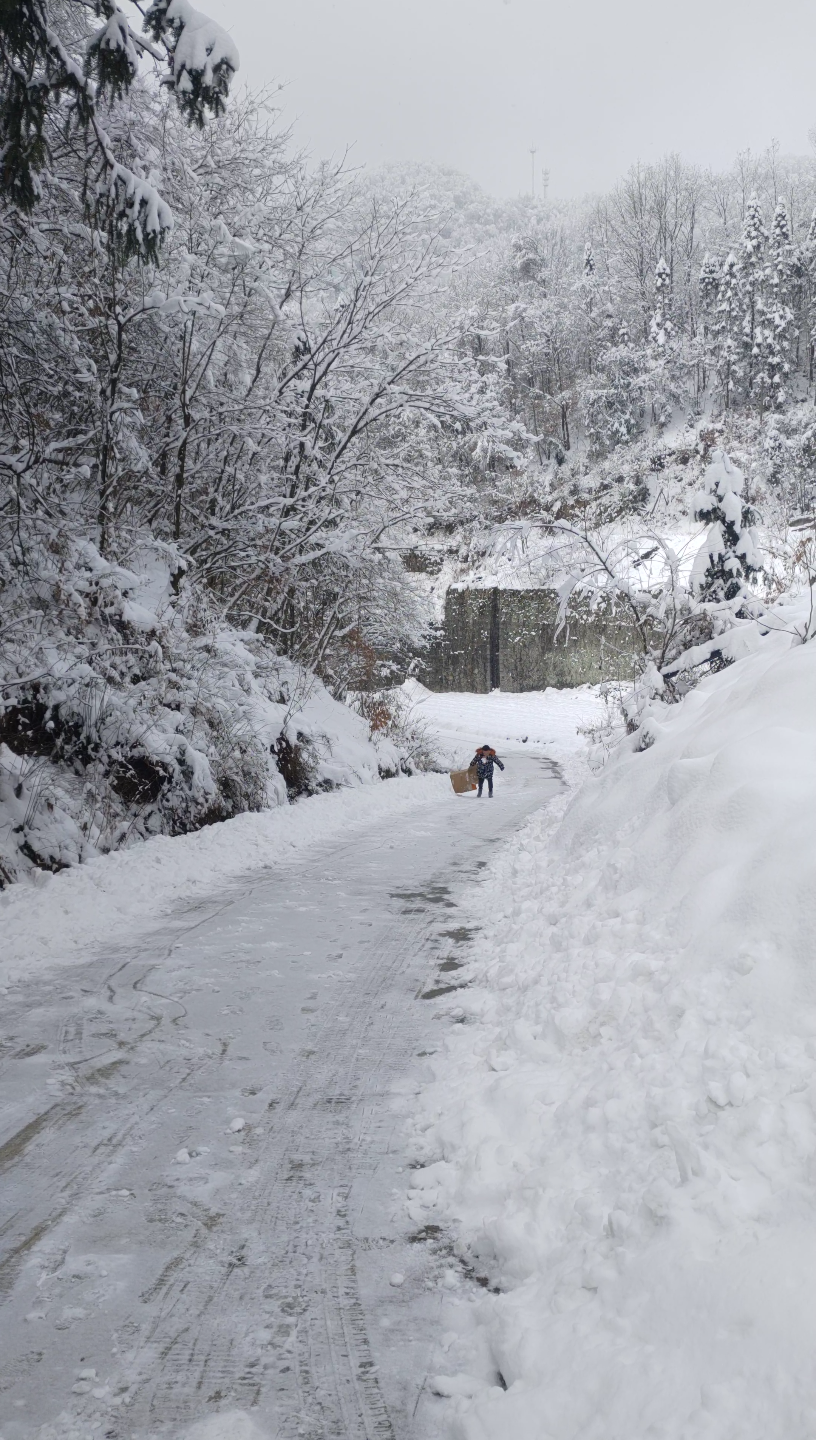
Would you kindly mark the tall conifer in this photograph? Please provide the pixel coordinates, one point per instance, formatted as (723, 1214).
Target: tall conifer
(753, 277)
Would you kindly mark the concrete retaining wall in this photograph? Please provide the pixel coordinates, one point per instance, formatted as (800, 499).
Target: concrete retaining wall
(505, 639)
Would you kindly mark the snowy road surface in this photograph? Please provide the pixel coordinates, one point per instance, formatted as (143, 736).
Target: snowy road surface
(201, 1157)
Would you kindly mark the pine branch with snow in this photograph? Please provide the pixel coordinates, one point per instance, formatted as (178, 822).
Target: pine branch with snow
(58, 76)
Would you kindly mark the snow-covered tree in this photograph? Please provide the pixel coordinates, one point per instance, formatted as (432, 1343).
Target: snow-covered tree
(661, 347)
(730, 555)
(709, 286)
(588, 286)
(782, 257)
(807, 311)
(709, 283)
(726, 332)
(775, 334)
(57, 74)
(661, 328)
(613, 396)
(753, 279)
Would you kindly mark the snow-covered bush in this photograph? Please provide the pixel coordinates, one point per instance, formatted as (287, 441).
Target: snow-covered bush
(128, 710)
(730, 554)
(397, 731)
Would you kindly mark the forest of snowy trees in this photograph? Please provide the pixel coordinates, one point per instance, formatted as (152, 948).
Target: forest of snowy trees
(679, 289)
(238, 386)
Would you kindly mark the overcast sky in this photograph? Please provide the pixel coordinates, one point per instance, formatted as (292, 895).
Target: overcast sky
(474, 83)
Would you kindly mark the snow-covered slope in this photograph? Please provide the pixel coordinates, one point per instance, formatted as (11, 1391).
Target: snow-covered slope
(623, 1135)
(125, 715)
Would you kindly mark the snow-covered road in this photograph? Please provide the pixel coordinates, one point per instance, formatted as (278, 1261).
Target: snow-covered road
(201, 1174)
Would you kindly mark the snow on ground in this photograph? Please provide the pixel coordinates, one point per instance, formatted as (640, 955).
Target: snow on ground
(58, 918)
(538, 722)
(622, 1131)
(202, 1229)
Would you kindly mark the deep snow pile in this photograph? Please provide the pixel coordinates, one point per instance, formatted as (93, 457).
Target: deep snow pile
(622, 1134)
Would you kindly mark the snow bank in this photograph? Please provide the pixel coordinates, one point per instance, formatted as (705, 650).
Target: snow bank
(57, 919)
(624, 1134)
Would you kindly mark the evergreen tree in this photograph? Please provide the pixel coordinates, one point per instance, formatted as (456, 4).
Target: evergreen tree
(56, 75)
(773, 347)
(783, 258)
(808, 268)
(588, 284)
(661, 332)
(612, 398)
(709, 286)
(753, 277)
(730, 556)
(779, 321)
(727, 332)
(709, 283)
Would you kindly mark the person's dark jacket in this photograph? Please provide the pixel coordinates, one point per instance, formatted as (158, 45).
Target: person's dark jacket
(484, 760)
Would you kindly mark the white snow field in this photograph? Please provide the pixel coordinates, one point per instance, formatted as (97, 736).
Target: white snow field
(621, 1135)
(203, 1148)
(538, 722)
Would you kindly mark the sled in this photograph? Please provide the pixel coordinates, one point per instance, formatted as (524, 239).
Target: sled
(464, 780)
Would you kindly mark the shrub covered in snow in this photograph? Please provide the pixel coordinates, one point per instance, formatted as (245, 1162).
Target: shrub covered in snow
(729, 555)
(128, 710)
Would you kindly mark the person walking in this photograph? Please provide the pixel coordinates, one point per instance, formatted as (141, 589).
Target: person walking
(484, 760)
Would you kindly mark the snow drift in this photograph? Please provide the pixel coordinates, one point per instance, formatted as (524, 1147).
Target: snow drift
(623, 1135)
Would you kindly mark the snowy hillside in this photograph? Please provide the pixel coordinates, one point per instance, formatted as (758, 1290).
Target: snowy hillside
(622, 1134)
(127, 715)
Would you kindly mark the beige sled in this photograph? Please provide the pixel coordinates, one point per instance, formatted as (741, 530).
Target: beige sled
(464, 780)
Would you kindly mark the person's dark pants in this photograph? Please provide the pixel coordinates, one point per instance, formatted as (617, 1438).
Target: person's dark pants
(489, 788)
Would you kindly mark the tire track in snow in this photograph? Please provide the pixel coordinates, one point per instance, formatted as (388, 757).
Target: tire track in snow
(308, 1282)
(225, 1293)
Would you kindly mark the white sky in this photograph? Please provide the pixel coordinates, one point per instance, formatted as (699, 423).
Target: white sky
(474, 83)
